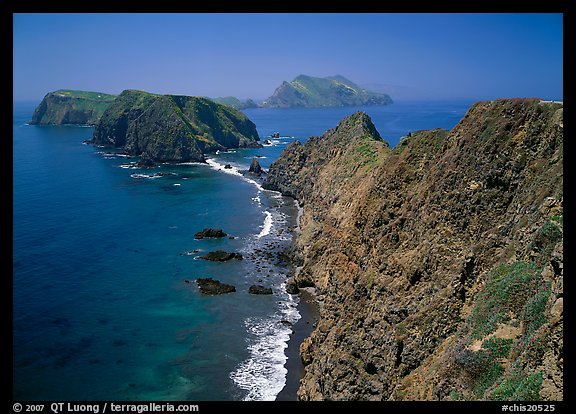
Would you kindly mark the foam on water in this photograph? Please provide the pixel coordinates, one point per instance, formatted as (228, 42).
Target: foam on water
(232, 170)
(267, 225)
(131, 165)
(263, 374)
(150, 176)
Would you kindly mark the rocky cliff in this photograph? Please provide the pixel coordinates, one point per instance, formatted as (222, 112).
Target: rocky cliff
(308, 91)
(172, 128)
(439, 263)
(71, 107)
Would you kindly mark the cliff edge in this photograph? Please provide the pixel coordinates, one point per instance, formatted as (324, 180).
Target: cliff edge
(66, 106)
(172, 128)
(438, 264)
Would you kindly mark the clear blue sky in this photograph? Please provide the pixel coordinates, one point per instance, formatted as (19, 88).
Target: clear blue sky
(473, 56)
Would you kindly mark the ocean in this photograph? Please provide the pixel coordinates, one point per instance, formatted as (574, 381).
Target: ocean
(105, 304)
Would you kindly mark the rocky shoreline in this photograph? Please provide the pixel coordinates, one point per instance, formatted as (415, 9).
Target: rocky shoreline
(440, 261)
(309, 310)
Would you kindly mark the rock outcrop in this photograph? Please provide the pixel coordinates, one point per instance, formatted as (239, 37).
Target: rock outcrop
(210, 234)
(172, 128)
(308, 91)
(259, 290)
(439, 263)
(71, 107)
(255, 167)
(209, 286)
(221, 256)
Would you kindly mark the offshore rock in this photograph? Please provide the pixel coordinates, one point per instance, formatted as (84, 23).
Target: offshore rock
(255, 167)
(209, 286)
(221, 256)
(259, 290)
(210, 233)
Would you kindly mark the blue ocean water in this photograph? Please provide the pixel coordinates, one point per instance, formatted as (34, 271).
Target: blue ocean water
(104, 301)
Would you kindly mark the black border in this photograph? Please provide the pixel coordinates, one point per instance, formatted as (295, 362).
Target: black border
(8, 7)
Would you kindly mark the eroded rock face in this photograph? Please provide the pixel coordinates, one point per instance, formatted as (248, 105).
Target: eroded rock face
(406, 246)
(162, 128)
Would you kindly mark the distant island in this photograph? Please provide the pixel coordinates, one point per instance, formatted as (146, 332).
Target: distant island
(173, 128)
(235, 102)
(66, 106)
(332, 91)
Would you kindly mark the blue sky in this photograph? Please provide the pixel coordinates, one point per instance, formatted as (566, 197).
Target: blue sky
(443, 56)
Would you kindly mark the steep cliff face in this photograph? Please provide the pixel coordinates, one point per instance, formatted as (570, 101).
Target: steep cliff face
(172, 128)
(438, 263)
(71, 107)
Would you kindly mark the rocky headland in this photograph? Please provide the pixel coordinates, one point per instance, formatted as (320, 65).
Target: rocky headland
(172, 128)
(438, 264)
(66, 106)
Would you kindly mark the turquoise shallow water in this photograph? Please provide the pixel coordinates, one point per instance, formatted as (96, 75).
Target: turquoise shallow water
(103, 252)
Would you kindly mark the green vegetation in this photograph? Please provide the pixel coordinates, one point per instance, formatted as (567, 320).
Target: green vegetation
(513, 294)
(515, 385)
(370, 278)
(91, 96)
(172, 127)
(235, 102)
(506, 290)
(308, 91)
(366, 153)
(455, 395)
(547, 236)
(558, 219)
(491, 371)
(66, 106)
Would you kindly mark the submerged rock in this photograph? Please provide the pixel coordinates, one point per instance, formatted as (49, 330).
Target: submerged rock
(210, 233)
(221, 256)
(259, 290)
(209, 286)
